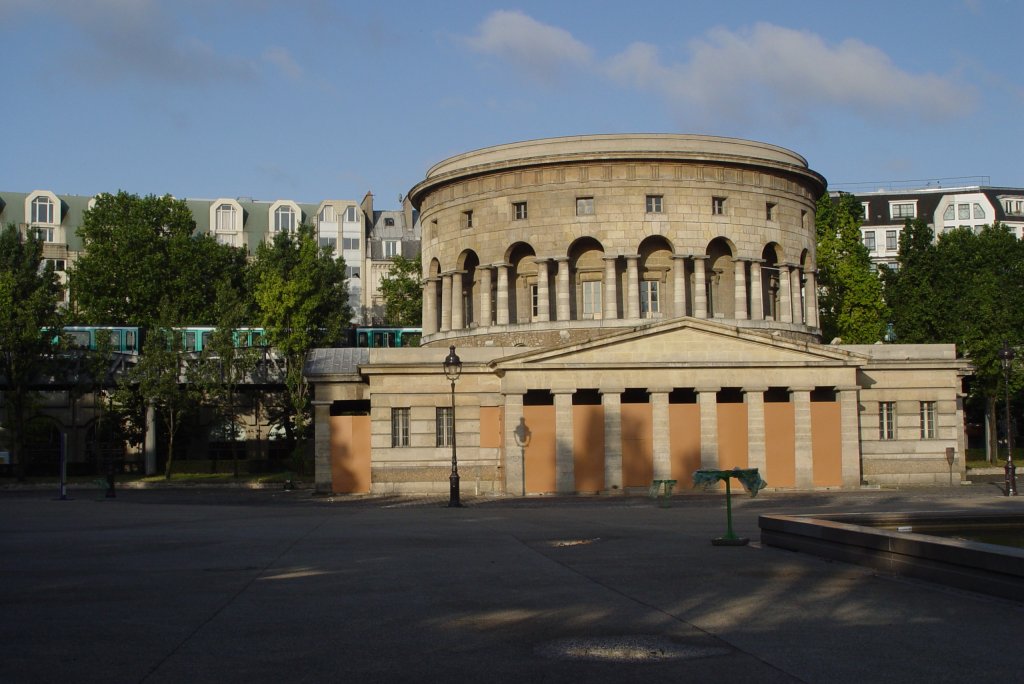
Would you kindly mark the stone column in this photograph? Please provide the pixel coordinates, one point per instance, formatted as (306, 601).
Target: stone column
(565, 477)
(515, 475)
(756, 292)
(811, 292)
(632, 298)
(785, 295)
(678, 285)
(849, 419)
(430, 306)
(798, 305)
(484, 303)
(707, 398)
(543, 296)
(323, 483)
(610, 294)
(458, 302)
(756, 454)
(700, 288)
(740, 287)
(446, 302)
(802, 442)
(562, 289)
(611, 399)
(501, 300)
(660, 441)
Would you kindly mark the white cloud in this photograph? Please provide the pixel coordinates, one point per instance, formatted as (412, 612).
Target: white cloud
(283, 60)
(540, 50)
(776, 72)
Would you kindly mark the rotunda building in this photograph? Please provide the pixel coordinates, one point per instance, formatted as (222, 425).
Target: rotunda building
(547, 241)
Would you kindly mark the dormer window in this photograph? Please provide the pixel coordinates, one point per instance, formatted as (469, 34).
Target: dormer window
(284, 219)
(225, 218)
(42, 210)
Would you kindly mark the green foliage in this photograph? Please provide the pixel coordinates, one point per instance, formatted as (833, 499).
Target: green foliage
(850, 294)
(403, 296)
(302, 302)
(140, 251)
(912, 290)
(29, 293)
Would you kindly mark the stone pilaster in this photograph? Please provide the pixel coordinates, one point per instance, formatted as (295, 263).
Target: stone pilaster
(740, 287)
(543, 293)
(501, 300)
(610, 288)
(430, 306)
(803, 443)
(678, 285)
(446, 302)
(458, 302)
(562, 289)
(756, 452)
(515, 473)
(632, 286)
(850, 434)
(565, 477)
(785, 295)
(611, 400)
(756, 291)
(798, 303)
(707, 399)
(700, 288)
(484, 303)
(811, 292)
(660, 440)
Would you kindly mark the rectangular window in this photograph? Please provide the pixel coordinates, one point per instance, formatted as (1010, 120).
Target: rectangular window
(390, 248)
(949, 213)
(979, 213)
(591, 298)
(327, 214)
(42, 210)
(866, 209)
(350, 214)
(519, 211)
(928, 415)
(769, 211)
(886, 420)
(467, 219)
(350, 243)
(445, 427)
(58, 264)
(389, 222)
(584, 206)
(284, 220)
(330, 242)
(534, 301)
(225, 218)
(718, 206)
(650, 307)
(44, 234)
(399, 427)
(963, 211)
(903, 210)
(353, 271)
(869, 240)
(654, 204)
(891, 242)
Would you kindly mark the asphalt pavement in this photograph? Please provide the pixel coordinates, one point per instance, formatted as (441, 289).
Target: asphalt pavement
(218, 585)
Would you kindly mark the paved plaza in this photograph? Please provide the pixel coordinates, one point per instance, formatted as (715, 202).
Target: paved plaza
(218, 585)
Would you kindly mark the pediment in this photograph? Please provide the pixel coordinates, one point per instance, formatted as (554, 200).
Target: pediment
(685, 342)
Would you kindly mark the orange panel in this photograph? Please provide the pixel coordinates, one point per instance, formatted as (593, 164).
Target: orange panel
(732, 436)
(350, 454)
(637, 445)
(490, 427)
(826, 444)
(540, 453)
(588, 447)
(684, 441)
(780, 445)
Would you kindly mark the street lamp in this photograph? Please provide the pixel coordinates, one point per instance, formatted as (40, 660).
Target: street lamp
(1006, 356)
(452, 370)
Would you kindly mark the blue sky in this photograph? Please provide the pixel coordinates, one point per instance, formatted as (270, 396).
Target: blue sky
(317, 99)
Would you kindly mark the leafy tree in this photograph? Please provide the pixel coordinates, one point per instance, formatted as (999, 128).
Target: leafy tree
(135, 251)
(912, 290)
(403, 296)
(302, 302)
(29, 292)
(850, 294)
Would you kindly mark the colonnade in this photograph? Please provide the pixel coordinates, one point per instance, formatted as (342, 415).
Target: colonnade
(796, 299)
(707, 402)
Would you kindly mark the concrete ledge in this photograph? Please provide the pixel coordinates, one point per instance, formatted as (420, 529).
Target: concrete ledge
(858, 538)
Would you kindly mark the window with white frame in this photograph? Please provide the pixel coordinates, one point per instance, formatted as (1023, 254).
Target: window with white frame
(59, 265)
(399, 427)
(350, 214)
(903, 210)
(390, 248)
(327, 214)
(887, 420)
(584, 206)
(718, 206)
(655, 204)
(445, 426)
(869, 240)
(591, 298)
(519, 211)
(891, 240)
(46, 234)
(284, 219)
(225, 218)
(866, 210)
(353, 271)
(950, 213)
(348, 243)
(42, 210)
(329, 242)
(928, 415)
(650, 306)
(979, 212)
(963, 212)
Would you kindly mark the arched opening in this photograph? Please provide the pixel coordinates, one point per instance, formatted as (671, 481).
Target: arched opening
(586, 264)
(522, 277)
(721, 280)
(770, 280)
(656, 281)
(433, 290)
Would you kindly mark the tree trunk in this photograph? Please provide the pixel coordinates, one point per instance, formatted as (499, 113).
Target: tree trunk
(170, 447)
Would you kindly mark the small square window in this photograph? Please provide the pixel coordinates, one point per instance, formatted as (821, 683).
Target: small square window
(654, 204)
(718, 206)
(769, 211)
(467, 219)
(389, 222)
(584, 206)
(519, 211)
